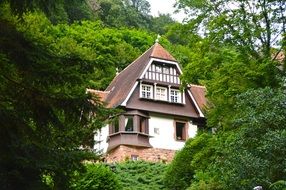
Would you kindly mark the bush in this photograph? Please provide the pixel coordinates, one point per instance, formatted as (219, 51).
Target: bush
(141, 175)
(96, 177)
(278, 185)
(195, 155)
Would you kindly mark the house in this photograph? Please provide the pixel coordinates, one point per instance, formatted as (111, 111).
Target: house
(158, 115)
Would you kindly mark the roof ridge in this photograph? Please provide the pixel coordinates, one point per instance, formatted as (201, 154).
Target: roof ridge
(161, 53)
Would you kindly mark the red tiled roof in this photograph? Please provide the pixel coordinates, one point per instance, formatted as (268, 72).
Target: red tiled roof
(159, 52)
(199, 93)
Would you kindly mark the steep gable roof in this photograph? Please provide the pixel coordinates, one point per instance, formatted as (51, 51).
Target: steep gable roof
(122, 83)
(161, 53)
(199, 94)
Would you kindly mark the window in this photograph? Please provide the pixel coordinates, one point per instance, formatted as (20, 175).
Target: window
(180, 131)
(129, 123)
(146, 91)
(163, 72)
(115, 125)
(143, 125)
(166, 70)
(156, 131)
(134, 157)
(161, 93)
(175, 96)
(158, 69)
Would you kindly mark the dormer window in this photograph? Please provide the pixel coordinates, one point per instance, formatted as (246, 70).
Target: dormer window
(146, 91)
(161, 93)
(175, 96)
(156, 92)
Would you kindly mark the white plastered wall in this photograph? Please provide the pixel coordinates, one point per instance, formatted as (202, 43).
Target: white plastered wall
(165, 138)
(164, 134)
(100, 139)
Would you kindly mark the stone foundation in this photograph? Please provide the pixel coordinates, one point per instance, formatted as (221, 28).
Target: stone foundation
(123, 153)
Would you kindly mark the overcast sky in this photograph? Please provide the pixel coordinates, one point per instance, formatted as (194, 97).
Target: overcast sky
(165, 6)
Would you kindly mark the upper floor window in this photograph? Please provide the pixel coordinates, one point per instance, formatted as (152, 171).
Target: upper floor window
(146, 91)
(175, 96)
(161, 93)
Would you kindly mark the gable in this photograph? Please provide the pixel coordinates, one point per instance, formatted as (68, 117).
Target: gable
(123, 84)
(155, 66)
(162, 72)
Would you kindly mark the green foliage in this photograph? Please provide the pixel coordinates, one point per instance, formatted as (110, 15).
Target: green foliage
(119, 13)
(252, 26)
(44, 108)
(227, 73)
(278, 185)
(96, 177)
(253, 154)
(196, 154)
(236, 53)
(57, 11)
(161, 23)
(140, 175)
(106, 48)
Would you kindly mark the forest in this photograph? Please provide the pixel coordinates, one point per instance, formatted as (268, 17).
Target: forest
(52, 51)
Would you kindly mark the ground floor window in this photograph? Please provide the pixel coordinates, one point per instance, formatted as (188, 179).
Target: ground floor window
(181, 132)
(129, 123)
(134, 157)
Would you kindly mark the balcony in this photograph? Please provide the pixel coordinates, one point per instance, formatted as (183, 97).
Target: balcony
(128, 138)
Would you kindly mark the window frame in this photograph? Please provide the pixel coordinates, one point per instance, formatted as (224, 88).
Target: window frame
(129, 123)
(144, 90)
(184, 130)
(160, 97)
(178, 96)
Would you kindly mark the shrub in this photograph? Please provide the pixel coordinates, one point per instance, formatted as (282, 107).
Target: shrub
(96, 177)
(195, 155)
(141, 175)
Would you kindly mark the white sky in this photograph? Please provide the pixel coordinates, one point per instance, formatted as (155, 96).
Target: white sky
(165, 6)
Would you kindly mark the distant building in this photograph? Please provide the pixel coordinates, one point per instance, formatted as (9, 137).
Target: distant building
(158, 116)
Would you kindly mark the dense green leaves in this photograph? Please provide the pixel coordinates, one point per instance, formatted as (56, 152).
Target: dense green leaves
(140, 175)
(96, 177)
(251, 154)
(195, 155)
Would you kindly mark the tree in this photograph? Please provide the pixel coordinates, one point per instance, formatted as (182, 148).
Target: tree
(120, 13)
(141, 6)
(254, 26)
(196, 155)
(161, 23)
(242, 40)
(45, 124)
(57, 11)
(253, 154)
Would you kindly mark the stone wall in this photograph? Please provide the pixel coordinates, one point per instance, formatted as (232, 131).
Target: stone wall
(123, 152)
